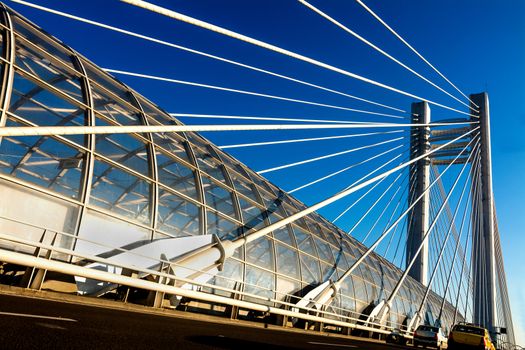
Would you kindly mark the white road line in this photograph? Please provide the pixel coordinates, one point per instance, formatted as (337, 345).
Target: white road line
(38, 316)
(332, 344)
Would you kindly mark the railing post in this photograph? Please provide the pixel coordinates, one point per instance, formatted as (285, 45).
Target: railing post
(483, 251)
(419, 145)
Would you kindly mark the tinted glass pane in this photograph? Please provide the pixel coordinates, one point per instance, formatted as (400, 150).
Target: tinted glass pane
(259, 282)
(118, 113)
(310, 269)
(46, 68)
(209, 164)
(223, 228)
(177, 216)
(43, 161)
(123, 149)
(175, 175)
(120, 192)
(40, 106)
(218, 197)
(44, 42)
(243, 186)
(260, 253)
(304, 241)
(287, 261)
(252, 215)
(284, 234)
(323, 248)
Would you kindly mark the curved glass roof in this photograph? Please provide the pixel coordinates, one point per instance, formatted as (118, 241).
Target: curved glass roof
(167, 185)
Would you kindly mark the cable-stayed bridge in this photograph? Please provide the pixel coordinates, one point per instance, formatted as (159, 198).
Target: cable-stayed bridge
(110, 195)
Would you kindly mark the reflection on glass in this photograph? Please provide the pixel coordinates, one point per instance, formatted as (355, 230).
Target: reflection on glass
(177, 216)
(120, 192)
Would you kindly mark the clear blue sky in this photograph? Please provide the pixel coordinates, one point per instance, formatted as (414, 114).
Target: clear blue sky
(479, 44)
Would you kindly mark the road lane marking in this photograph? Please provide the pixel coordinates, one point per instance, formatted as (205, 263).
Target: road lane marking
(332, 344)
(38, 316)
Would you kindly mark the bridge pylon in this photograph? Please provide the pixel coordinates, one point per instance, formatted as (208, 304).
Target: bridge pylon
(483, 256)
(419, 181)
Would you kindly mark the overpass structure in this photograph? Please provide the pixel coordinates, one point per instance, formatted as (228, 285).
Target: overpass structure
(104, 193)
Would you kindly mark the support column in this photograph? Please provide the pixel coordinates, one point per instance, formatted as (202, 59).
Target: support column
(484, 258)
(419, 145)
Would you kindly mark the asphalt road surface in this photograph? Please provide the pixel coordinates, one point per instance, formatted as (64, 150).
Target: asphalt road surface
(30, 323)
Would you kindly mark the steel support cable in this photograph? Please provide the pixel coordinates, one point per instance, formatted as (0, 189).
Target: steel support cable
(381, 51)
(442, 194)
(412, 48)
(126, 129)
(204, 54)
(387, 249)
(280, 142)
(431, 227)
(434, 242)
(409, 220)
(331, 155)
(358, 200)
(444, 227)
(348, 168)
(409, 186)
(250, 93)
(369, 210)
(346, 192)
(362, 179)
(193, 21)
(380, 216)
(474, 218)
(244, 117)
(436, 238)
(349, 271)
(443, 245)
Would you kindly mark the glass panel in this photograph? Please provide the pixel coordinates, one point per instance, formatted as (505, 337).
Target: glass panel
(252, 215)
(171, 142)
(327, 271)
(223, 228)
(310, 269)
(347, 287)
(259, 282)
(177, 176)
(284, 234)
(360, 289)
(120, 192)
(123, 149)
(287, 288)
(40, 106)
(43, 41)
(209, 164)
(287, 261)
(217, 197)
(348, 304)
(177, 216)
(119, 113)
(340, 260)
(43, 161)
(230, 277)
(325, 253)
(46, 68)
(112, 85)
(260, 253)
(304, 241)
(243, 186)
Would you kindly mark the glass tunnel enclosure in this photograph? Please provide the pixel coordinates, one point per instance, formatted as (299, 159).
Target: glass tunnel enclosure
(99, 195)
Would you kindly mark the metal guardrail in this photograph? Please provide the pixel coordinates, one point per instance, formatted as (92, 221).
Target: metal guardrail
(290, 310)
